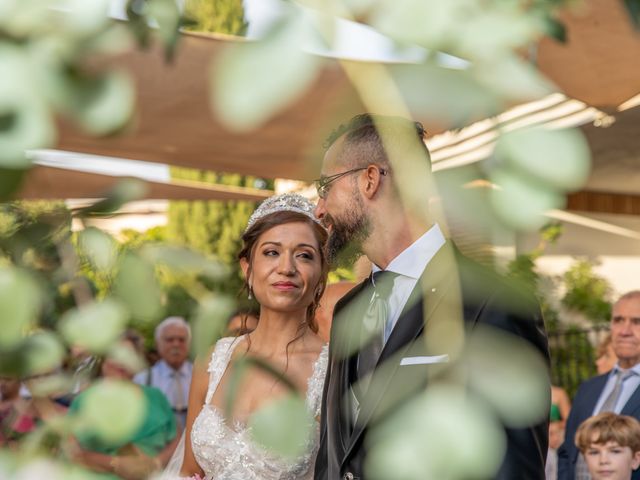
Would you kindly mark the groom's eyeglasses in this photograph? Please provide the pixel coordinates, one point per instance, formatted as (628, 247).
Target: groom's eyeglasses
(323, 184)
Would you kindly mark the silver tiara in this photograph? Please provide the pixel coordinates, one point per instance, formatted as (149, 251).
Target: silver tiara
(285, 202)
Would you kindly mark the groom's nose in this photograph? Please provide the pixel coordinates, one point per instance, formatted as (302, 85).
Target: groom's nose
(320, 210)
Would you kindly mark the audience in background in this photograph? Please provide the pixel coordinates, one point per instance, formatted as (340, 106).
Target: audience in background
(560, 408)
(15, 418)
(172, 373)
(610, 444)
(616, 391)
(147, 450)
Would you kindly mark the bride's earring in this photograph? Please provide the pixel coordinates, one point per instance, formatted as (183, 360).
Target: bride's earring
(250, 296)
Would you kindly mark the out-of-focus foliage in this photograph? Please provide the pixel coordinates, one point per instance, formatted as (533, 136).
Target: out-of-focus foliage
(633, 6)
(218, 16)
(587, 292)
(45, 47)
(67, 298)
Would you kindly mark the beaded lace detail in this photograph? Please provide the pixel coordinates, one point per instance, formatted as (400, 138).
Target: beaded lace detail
(227, 452)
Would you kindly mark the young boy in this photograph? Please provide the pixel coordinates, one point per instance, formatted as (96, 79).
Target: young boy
(610, 444)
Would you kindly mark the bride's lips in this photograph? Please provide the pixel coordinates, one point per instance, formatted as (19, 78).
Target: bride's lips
(285, 286)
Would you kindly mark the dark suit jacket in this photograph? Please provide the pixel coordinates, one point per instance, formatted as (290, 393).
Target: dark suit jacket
(583, 404)
(487, 300)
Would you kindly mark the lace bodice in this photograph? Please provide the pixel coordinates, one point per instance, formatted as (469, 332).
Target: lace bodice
(227, 452)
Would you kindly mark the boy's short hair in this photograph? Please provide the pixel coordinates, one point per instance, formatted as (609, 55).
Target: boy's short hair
(609, 427)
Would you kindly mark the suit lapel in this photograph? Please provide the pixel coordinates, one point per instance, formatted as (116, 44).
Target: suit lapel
(632, 404)
(342, 342)
(436, 282)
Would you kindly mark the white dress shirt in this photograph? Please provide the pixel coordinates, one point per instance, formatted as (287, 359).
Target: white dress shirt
(409, 266)
(162, 379)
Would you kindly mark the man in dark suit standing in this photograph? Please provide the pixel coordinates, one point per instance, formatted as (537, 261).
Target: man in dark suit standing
(376, 366)
(615, 391)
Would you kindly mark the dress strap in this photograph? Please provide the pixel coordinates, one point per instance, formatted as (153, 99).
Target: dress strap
(220, 359)
(315, 384)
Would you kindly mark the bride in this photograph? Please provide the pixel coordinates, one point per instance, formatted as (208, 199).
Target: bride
(285, 268)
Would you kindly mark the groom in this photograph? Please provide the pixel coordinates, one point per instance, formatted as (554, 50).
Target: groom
(367, 379)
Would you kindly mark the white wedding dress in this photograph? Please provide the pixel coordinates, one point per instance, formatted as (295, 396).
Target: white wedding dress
(227, 452)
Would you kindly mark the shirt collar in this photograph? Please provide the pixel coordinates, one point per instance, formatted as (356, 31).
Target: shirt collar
(412, 261)
(635, 369)
(167, 371)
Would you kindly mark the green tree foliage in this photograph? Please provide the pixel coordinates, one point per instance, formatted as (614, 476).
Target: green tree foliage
(216, 16)
(587, 292)
(31, 233)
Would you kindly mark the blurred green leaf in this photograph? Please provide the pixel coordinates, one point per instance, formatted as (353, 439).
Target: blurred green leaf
(126, 190)
(99, 247)
(521, 200)
(443, 434)
(46, 352)
(20, 301)
(94, 326)
(127, 357)
(103, 105)
(23, 18)
(210, 322)
(431, 23)
(167, 16)
(558, 158)
(112, 411)
(51, 385)
(10, 181)
(633, 9)
(495, 30)
(512, 78)
(556, 29)
(452, 96)
(185, 260)
(84, 18)
(285, 72)
(283, 426)
(136, 285)
(518, 388)
(25, 122)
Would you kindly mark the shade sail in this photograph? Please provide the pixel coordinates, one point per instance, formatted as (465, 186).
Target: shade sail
(599, 62)
(174, 123)
(44, 182)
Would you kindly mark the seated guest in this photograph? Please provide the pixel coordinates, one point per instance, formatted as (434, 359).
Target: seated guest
(172, 373)
(610, 444)
(148, 449)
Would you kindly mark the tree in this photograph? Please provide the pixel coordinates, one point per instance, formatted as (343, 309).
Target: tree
(218, 16)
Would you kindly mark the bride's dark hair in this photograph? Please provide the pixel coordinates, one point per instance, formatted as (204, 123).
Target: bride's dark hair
(250, 237)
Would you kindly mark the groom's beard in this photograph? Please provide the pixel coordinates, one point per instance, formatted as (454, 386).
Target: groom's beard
(347, 236)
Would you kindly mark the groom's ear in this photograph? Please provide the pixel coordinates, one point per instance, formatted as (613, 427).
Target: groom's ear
(371, 181)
